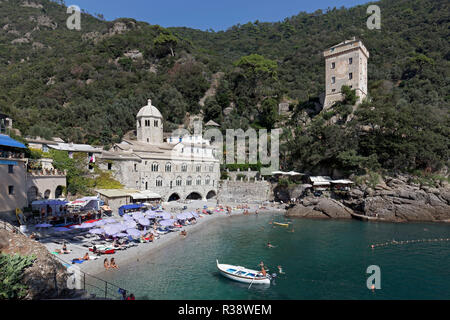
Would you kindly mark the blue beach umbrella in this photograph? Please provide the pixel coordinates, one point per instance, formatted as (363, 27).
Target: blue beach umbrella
(43, 225)
(61, 229)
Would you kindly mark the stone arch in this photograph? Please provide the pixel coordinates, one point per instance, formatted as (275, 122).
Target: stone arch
(32, 194)
(174, 197)
(211, 194)
(194, 196)
(59, 191)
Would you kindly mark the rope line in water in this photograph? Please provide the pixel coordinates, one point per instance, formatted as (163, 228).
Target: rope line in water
(393, 242)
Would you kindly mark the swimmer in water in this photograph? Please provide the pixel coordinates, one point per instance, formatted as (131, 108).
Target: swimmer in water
(280, 270)
(270, 245)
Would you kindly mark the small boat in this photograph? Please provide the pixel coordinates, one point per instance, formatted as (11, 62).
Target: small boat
(281, 224)
(242, 274)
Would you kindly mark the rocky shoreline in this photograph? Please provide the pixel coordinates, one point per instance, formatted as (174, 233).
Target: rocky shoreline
(394, 199)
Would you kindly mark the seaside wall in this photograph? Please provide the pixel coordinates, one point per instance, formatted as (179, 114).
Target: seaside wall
(243, 191)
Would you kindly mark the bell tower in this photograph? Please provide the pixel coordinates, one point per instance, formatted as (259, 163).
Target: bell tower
(149, 125)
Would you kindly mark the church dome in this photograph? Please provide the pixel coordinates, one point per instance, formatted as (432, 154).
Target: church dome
(149, 111)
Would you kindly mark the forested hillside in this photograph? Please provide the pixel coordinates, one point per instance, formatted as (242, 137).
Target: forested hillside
(87, 86)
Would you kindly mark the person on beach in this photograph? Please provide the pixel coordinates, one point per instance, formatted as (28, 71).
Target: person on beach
(86, 256)
(183, 233)
(112, 264)
(106, 264)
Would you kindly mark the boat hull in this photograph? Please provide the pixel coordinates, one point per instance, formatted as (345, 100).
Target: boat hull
(240, 278)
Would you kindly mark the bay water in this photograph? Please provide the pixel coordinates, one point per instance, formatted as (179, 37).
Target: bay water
(321, 259)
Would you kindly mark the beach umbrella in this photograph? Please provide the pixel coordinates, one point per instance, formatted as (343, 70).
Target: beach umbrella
(134, 232)
(96, 231)
(110, 220)
(127, 217)
(121, 226)
(99, 223)
(111, 230)
(130, 224)
(164, 215)
(151, 215)
(195, 214)
(138, 215)
(144, 222)
(181, 216)
(43, 225)
(166, 223)
(121, 235)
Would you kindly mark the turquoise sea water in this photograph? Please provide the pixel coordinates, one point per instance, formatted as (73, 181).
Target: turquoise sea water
(321, 260)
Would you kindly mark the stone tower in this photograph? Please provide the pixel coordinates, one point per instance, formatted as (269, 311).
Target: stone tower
(345, 64)
(149, 125)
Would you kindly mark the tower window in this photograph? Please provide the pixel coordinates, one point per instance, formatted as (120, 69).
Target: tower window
(333, 65)
(10, 168)
(350, 60)
(155, 123)
(11, 190)
(350, 76)
(109, 166)
(333, 79)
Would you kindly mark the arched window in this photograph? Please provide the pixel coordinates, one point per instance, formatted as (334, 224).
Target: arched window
(207, 180)
(199, 180)
(211, 168)
(159, 182)
(189, 181)
(155, 167)
(184, 167)
(198, 168)
(179, 182)
(168, 167)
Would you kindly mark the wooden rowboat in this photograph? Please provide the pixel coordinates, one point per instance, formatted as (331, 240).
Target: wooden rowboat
(242, 274)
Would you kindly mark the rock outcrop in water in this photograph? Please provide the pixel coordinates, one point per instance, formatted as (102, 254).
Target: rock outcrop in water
(394, 199)
(322, 208)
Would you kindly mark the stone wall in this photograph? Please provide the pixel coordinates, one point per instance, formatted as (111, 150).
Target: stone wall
(241, 191)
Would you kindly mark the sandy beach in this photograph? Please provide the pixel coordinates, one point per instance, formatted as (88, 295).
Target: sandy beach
(133, 254)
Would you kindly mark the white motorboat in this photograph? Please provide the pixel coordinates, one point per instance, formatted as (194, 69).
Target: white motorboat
(242, 274)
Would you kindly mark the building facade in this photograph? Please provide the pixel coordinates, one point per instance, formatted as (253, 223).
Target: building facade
(20, 185)
(345, 64)
(182, 167)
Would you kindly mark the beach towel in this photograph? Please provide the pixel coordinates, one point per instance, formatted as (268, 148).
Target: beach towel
(77, 261)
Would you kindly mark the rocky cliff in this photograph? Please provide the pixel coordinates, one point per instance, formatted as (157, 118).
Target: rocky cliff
(396, 199)
(46, 278)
